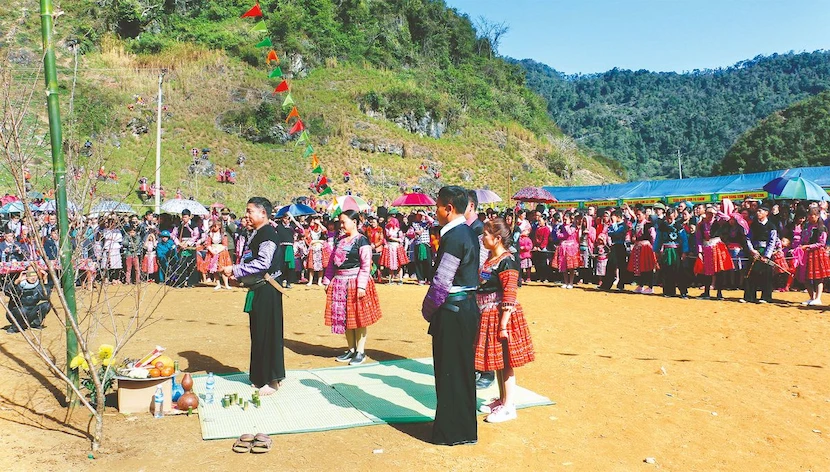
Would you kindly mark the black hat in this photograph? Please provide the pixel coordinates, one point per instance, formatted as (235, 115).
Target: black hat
(764, 207)
(185, 212)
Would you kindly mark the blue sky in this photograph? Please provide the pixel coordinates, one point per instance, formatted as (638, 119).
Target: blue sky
(585, 36)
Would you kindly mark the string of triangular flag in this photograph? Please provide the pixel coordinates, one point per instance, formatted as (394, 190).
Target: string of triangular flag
(321, 183)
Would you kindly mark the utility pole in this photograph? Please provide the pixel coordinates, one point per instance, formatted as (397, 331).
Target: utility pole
(679, 165)
(59, 170)
(158, 147)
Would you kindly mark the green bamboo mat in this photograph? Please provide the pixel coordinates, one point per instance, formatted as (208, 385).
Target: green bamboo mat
(401, 391)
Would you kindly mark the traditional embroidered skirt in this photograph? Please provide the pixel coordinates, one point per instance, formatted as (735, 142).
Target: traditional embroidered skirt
(318, 257)
(716, 257)
(212, 262)
(642, 259)
(816, 266)
(602, 264)
(343, 309)
(584, 257)
(566, 257)
(87, 264)
(490, 352)
(393, 256)
(526, 263)
(149, 264)
(781, 261)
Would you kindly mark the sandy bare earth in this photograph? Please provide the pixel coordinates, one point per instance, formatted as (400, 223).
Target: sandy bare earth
(696, 385)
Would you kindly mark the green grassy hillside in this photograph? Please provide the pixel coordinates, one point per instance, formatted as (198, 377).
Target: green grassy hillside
(215, 99)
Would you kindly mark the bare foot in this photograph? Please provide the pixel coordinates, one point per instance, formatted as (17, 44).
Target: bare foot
(266, 390)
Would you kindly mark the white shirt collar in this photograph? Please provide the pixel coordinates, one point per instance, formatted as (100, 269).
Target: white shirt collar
(460, 220)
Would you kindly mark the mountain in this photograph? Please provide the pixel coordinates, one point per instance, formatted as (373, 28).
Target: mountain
(798, 136)
(642, 119)
(400, 94)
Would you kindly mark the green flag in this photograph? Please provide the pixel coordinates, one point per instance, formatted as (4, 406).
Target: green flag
(265, 43)
(308, 151)
(275, 73)
(288, 101)
(259, 27)
(303, 138)
(326, 191)
(317, 170)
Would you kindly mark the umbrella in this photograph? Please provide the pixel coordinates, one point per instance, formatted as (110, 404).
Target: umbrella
(216, 205)
(295, 209)
(413, 199)
(34, 195)
(487, 196)
(111, 206)
(13, 207)
(8, 199)
(534, 194)
(52, 205)
(798, 188)
(176, 206)
(349, 202)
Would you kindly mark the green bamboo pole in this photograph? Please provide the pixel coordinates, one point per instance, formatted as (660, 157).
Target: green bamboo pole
(59, 169)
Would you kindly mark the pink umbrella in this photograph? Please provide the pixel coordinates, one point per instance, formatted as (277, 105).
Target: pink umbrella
(216, 205)
(487, 196)
(534, 194)
(413, 199)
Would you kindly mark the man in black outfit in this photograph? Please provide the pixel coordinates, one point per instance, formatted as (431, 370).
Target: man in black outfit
(450, 307)
(186, 236)
(762, 247)
(285, 251)
(264, 301)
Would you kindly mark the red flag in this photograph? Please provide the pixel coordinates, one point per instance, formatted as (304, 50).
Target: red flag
(292, 114)
(282, 87)
(298, 126)
(272, 56)
(323, 181)
(254, 12)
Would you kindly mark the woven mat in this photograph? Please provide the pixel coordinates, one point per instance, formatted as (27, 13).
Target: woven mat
(334, 398)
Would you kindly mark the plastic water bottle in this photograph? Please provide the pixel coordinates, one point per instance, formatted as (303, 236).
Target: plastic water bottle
(209, 385)
(158, 403)
(177, 390)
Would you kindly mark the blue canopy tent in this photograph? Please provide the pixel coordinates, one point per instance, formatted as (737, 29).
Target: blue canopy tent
(698, 190)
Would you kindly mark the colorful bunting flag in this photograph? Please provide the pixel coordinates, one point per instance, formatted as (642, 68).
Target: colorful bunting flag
(259, 28)
(265, 43)
(323, 182)
(303, 138)
(293, 114)
(325, 191)
(288, 101)
(254, 12)
(282, 87)
(298, 126)
(315, 161)
(308, 151)
(272, 56)
(317, 170)
(275, 73)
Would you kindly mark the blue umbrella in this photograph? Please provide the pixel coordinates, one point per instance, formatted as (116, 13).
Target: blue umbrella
(295, 209)
(13, 207)
(52, 205)
(797, 188)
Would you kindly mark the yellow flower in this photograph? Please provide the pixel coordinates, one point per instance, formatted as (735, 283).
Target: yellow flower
(78, 361)
(107, 361)
(105, 351)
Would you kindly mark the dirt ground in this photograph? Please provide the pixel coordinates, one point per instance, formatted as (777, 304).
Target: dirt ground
(696, 385)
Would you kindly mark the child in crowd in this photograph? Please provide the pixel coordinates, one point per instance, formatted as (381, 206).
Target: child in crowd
(149, 265)
(525, 247)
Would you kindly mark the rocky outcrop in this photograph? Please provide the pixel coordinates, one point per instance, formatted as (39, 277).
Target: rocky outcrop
(381, 146)
(425, 125)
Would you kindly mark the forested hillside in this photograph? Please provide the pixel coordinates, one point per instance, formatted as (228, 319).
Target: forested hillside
(398, 94)
(643, 118)
(796, 137)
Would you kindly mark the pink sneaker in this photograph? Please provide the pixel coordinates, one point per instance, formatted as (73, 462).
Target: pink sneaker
(501, 414)
(639, 289)
(647, 291)
(490, 407)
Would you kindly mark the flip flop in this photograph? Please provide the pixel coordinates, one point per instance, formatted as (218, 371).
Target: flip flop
(262, 444)
(244, 443)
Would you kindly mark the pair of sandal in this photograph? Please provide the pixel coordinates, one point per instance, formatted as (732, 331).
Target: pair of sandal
(256, 444)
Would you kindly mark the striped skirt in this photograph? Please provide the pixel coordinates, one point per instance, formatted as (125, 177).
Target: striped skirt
(393, 256)
(343, 309)
(566, 257)
(642, 259)
(491, 352)
(716, 257)
(816, 266)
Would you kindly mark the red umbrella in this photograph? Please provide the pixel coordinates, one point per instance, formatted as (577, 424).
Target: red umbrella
(413, 199)
(534, 194)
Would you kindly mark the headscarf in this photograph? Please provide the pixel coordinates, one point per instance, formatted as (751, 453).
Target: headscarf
(739, 218)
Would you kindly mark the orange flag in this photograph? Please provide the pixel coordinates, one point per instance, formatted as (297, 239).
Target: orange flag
(282, 87)
(272, 56)
(292, 114)
(298, 126)
(254, 12)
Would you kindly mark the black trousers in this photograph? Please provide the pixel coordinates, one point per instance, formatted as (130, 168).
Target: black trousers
(186, 270)
(453, 351)
(423, 269)
(541, 262)
(617, 259)
(674, 278)
(267, 353)
(759, 279)
(28, 315)
(287, 275)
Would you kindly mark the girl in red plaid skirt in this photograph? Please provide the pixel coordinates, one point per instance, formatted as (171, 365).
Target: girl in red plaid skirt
(503, 339)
